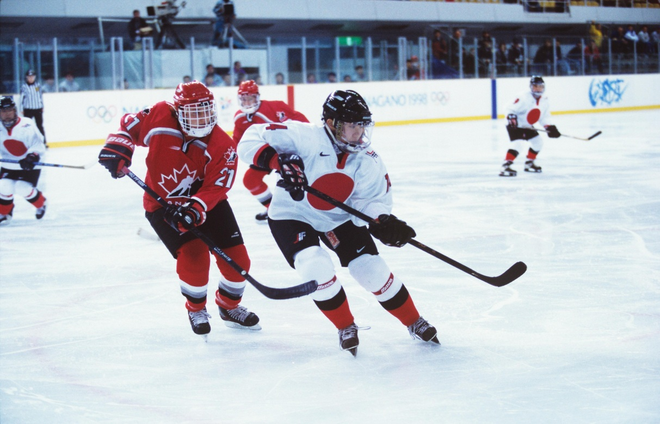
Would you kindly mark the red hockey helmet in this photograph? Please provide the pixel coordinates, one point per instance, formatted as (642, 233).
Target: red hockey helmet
(196, 109)
(249, 98)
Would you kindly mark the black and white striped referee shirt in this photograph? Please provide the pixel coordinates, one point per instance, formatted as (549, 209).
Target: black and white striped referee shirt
(31, 96)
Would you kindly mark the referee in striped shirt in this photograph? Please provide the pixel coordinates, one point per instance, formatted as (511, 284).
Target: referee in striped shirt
(32, 100)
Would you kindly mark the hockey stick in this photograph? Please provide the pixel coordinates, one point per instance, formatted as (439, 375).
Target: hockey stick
(515, 271)
(570, 136)
(56, 165)
(270, 292)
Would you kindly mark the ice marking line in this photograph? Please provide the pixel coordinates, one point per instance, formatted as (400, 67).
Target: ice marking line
(499, 305)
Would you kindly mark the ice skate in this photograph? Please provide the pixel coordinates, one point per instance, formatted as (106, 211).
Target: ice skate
(423, 331)
(6, 219)
(348, 339)
(507, 171)
(199, 321)
(262, 216)
(40, 211)
(530, 166)
(240, 317)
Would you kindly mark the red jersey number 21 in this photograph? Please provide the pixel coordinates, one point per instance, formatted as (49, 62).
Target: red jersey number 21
(226, 178)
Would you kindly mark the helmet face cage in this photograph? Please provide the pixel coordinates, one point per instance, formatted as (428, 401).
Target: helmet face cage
(351, 120)
(196, 109)
(537, 86)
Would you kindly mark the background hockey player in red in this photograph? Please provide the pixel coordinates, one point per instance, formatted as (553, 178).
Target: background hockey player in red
(191, 164)
(20, 140)
(253, 110)
(335, 158)
(530, 107)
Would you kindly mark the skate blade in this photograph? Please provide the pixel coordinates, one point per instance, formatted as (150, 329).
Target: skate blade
(352, 351)
(231, 324)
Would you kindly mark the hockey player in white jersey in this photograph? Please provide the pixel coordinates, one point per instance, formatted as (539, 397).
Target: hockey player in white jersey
(20, 140)
(530, 107)
(336, 159)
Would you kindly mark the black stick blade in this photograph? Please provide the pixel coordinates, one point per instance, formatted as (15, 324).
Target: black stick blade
(595, 135)
(509, 275)
(288, 292)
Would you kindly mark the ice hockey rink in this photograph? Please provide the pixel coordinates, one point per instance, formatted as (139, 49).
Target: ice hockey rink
(93, 327)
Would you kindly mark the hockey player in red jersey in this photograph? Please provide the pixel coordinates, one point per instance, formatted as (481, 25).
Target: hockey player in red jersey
(20, 140)
(253, 110)
(530, 107)
(336, 159)
(191, 163)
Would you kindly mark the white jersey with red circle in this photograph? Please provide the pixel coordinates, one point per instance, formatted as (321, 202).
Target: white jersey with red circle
(530, 110)
(359, 179)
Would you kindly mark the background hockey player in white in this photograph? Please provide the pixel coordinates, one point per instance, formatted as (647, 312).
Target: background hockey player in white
(334, 158)
(531, 106)
(20, 140)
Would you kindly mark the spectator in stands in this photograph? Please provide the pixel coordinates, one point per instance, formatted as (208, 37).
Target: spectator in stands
(209, 81)
(347, 78)
(69, 83)
(574, 57)
(502, 59)
(440, 54)
(485, 38)
(226, 80)
(137, 28)
(454, 48)
(632, 38)
(596, 33)
(619, 42)
(186, 79)
(485, 54)
(592, 58)
(279, 78)
(359, 76)
(332, 77)
(516, 57)
(412, 68)
(210, 73)
(544, 59)
(311, 78)
(643, 46)
(655, 39)
(49, 84)
(240, 74)
(562, 64)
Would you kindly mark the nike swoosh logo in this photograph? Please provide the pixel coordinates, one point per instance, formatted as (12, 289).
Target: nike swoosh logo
(325, 154)
(361, 249)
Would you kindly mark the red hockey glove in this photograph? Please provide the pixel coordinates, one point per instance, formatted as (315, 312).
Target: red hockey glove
(512, 120)
(116, 154)
(185, 217)
(27, 163)
(553, 132)
(292, 170)
(391, 231)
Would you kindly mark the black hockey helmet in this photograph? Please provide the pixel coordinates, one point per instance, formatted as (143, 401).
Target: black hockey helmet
(351, 120)
(346, 106)
(537, 86)
(7, 102)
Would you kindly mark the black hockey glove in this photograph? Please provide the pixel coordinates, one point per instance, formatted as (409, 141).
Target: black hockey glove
(27, 163)
(391, 231)
(512, 120)
(116, 154)
(292, 170)
(185, 217)
(553, 132)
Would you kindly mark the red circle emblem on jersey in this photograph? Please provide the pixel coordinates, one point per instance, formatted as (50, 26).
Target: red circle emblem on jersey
(15, 147)
(336, 185)
(533, 116)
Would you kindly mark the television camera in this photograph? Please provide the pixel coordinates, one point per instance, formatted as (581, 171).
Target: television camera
(164, 15)
(166, 10)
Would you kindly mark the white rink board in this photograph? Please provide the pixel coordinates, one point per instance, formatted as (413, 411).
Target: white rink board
(92, 115)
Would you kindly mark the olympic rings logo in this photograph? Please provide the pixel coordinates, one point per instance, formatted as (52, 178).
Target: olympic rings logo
(441, 97)
(100, 114)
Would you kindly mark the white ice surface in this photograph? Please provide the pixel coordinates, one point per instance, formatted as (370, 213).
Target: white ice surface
(93, 327)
